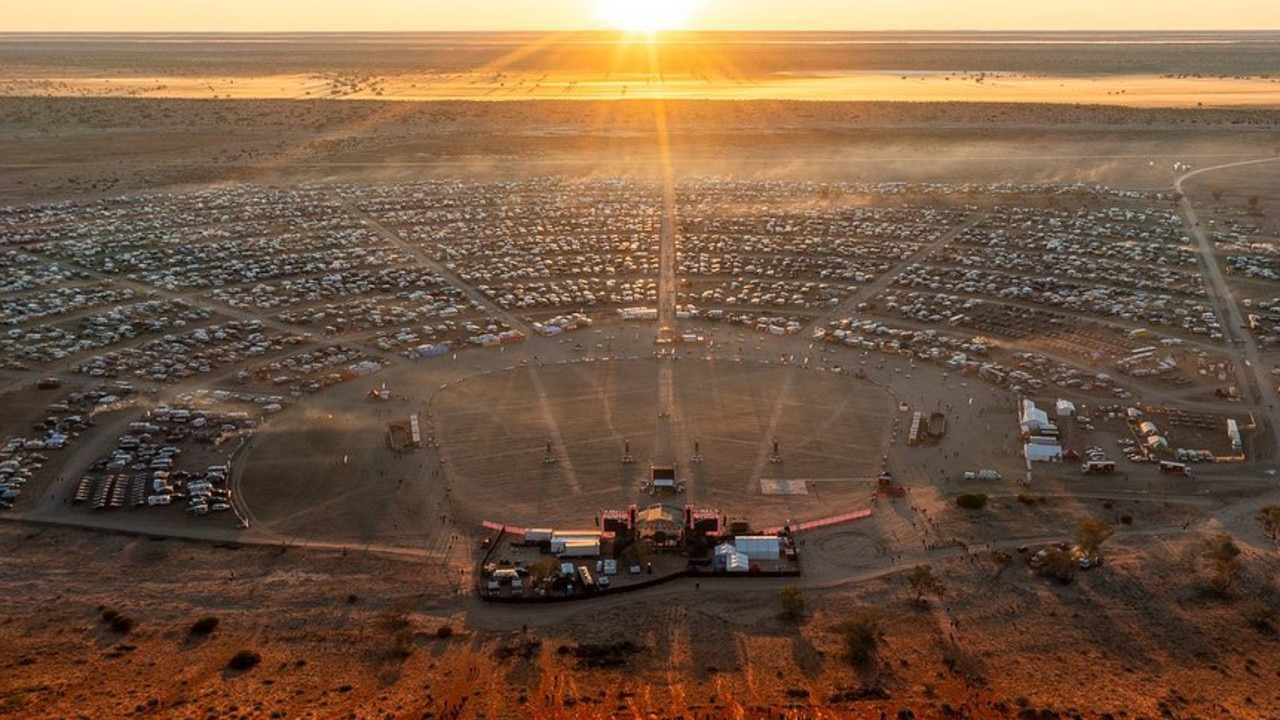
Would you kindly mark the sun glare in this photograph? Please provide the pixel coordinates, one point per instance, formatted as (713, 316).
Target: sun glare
(646, 15)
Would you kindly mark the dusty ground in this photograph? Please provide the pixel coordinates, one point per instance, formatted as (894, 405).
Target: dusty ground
(72, 147)
(350, 625)
(357, 633)
(357, 558)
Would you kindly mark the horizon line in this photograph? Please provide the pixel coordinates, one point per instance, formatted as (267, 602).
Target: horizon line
(663, 33)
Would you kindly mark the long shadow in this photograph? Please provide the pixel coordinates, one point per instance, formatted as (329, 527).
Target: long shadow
(1154, 616)
(807, 658)
(711, 645)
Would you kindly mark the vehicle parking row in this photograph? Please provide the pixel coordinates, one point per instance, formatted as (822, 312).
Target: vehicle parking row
(199, 351)
(56, 341)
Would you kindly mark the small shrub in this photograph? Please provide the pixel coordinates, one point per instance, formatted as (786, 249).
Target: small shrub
(793, 602)
(244, 660)
(122, 624)
(444, 632)
(1259, 615)
(1269, 518)
(972, 501)
(402, 647)
(204, 626)
(1126, 519)
(1091, 533)
(352, 598)
(861, 636)
(1224, 555)
(1060, 565)
(924, 582)
(397, 617)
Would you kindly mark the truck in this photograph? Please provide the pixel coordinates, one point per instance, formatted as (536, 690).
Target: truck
(538, 536)
(1098, 467)
(1176, 468)
(575, 545)
(505, 576)
(981, 475)
(662, 479)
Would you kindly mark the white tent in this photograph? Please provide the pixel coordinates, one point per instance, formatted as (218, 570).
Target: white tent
(759, 547)
(728, 558)
(737, 563)
(1032, 418)
(1042, 453)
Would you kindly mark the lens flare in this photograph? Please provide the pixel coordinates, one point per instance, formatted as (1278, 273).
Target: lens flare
(646, 15)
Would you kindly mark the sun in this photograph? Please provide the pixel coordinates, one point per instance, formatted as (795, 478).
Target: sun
(646, 15)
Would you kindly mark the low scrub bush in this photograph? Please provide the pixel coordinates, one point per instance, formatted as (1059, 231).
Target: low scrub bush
(204, 626)
(244, 660)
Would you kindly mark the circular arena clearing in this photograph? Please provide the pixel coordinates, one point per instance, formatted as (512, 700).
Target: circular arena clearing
(545, 444)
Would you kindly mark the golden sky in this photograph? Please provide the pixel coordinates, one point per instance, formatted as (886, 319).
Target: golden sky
(453, 15)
